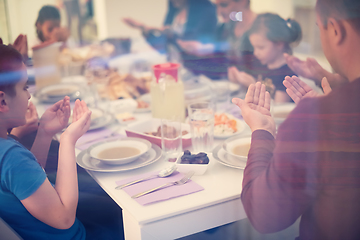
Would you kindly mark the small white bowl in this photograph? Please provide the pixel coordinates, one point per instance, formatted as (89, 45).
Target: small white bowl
(231, 143)
(141, 146)
(199, 169)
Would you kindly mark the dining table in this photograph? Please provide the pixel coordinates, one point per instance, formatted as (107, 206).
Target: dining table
(217, 204)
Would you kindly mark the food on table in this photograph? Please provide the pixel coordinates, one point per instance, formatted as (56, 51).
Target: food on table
(118, 152)
(142, 104)
(170, 132)
(200, 158)
(125, 117)
(242, 149)
(113, 85)
(225, 124)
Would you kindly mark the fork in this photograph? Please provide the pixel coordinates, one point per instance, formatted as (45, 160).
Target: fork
(182, 181)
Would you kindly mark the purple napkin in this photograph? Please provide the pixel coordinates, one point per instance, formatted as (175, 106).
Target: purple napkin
(96, 136)
(162, 194)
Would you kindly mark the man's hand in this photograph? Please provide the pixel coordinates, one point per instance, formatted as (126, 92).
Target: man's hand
(243, 78)
(31, 125)
(56, 117)
(255, 109)
(309, 68)
(298, 90)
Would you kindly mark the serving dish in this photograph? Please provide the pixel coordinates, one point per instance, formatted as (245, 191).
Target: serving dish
(237, 147)
(119, 151)
(141, 128)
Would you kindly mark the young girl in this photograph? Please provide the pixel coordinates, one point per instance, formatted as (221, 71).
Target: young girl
(28, 202)
(271, 36)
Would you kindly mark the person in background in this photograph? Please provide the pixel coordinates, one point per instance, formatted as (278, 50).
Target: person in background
(230, 46)
(312, 168)
(29, 203)
(185, 20)
(48, 25)
(271, 37)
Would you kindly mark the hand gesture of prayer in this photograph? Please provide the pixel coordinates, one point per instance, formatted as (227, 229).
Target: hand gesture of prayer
(255, 108)
(31, 125)
(80, 121)
(196, 48)
(298, 90)
(56, 117)
(243, 78)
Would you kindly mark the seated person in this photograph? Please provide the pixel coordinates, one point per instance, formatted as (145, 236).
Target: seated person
(48, 27)
(309, 167)
(271, 36)
(29, 203)
(230, 46)
(185, 20)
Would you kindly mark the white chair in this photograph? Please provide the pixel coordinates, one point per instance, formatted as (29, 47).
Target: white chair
(7, 233)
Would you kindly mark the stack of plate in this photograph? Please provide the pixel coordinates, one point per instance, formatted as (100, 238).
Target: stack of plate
(119, 155)
(233, 152)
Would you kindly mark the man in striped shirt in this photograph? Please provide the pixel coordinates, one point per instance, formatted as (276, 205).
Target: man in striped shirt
(312, 169)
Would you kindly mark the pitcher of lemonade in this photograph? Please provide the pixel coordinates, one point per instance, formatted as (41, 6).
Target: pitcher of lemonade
(167, 92)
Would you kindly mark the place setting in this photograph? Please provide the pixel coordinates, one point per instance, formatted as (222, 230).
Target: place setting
(119, 154)
(233, 152)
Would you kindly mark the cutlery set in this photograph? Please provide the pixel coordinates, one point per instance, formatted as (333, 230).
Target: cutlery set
(164, 173)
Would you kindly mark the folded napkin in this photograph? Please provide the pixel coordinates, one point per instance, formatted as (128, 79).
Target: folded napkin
(162, 194)
(96, 136)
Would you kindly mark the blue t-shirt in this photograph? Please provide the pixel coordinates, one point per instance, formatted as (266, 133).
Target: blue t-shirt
(21, 175)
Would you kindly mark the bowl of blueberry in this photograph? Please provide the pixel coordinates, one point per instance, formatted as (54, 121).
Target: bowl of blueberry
(193, 162)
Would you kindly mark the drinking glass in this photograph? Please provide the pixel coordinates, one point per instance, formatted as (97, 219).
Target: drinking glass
(201, 118)
(171, 138)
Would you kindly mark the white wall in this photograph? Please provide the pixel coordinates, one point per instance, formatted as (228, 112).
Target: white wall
(23, 14)
(285, 8)
(109, 14)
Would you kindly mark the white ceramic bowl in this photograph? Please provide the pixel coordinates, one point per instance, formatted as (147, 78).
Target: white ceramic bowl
(141, 146)
(230, 144)
(199, 169)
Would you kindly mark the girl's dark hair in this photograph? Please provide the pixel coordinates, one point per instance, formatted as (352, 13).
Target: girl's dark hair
(10, 62)
(277, 29)
(46, 13)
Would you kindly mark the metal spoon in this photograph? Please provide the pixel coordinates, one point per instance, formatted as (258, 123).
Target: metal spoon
(163, 173)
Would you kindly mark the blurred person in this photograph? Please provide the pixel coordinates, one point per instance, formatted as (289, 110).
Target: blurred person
(312, 168)
(48, 26)
(271, 36)
(29, 203)
(230, 46)
(185, 20)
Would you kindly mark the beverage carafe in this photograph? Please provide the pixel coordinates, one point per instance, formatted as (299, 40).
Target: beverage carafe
(167, 92)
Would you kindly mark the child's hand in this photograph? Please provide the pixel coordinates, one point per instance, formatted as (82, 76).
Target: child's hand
(56, 117)
(80, 122)
(31, 125)
(243, 78)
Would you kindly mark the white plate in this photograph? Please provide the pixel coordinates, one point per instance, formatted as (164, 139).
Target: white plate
(146, 98)
(242, 128)
(88, 163)
(280, 111)
(54, 93)
(122, 105)
(105, 120)
(231, 143)
(224, 158)
(141, 145)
